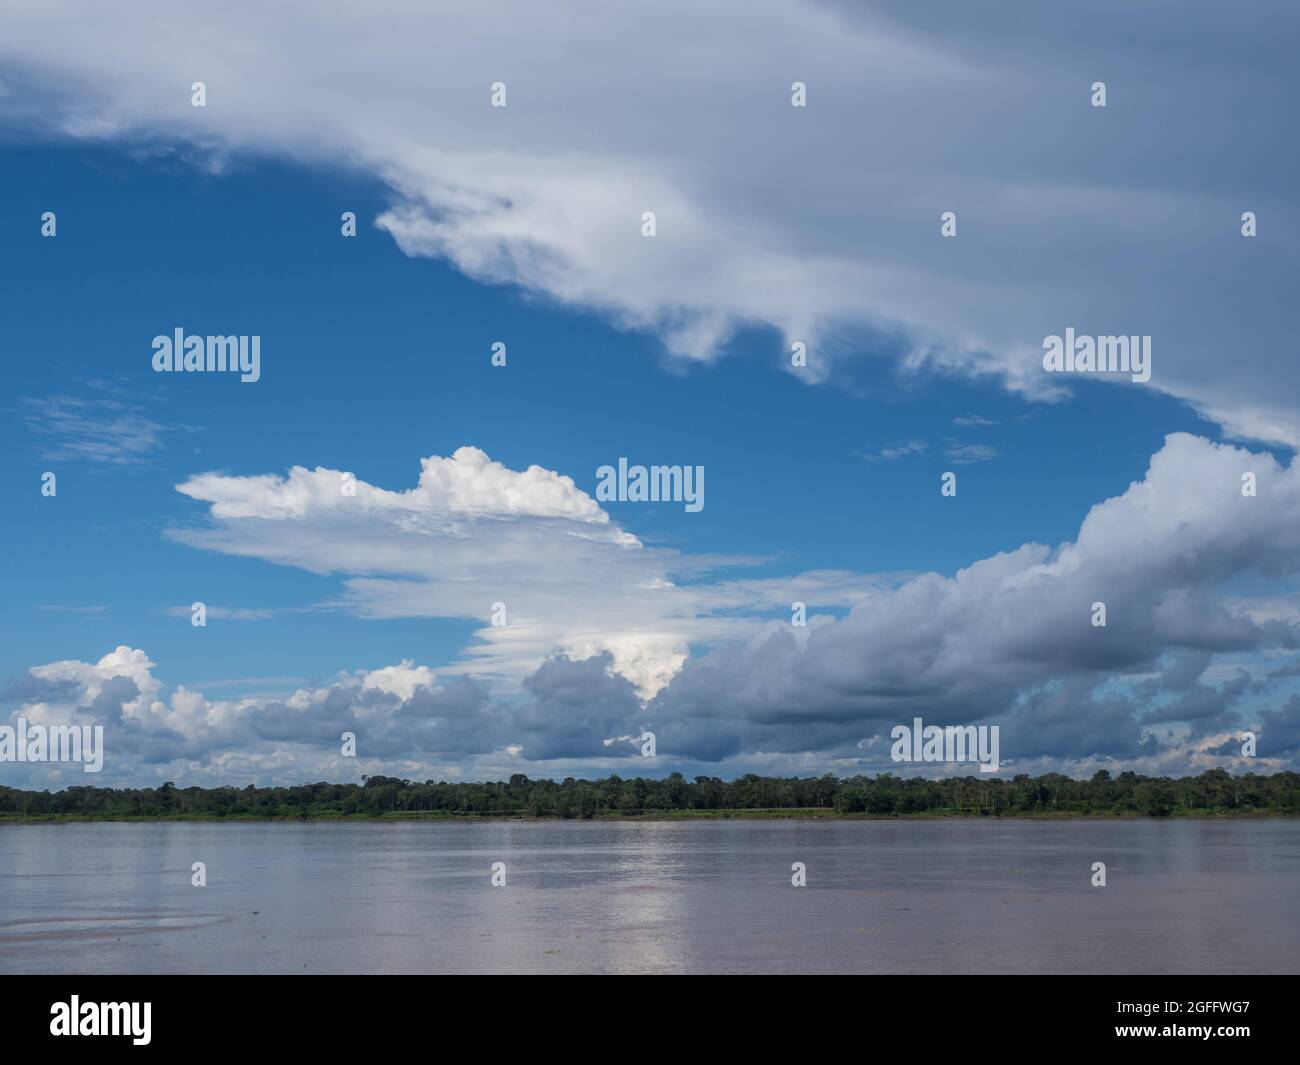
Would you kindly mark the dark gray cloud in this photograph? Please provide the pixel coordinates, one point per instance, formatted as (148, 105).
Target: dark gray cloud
(1007, 628)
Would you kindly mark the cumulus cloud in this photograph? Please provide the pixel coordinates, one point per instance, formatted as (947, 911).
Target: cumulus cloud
(473, 534)
(1010, 638)
(602, 642)
(400, 714)
(820, 222)
(466, 484)
(598, 641)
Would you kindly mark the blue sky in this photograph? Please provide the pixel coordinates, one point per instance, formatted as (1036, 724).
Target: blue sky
(821, 485)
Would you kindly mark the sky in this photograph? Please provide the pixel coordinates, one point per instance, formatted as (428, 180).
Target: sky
(356, 519)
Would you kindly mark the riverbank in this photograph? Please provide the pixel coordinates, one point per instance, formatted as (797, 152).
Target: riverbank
(808, 814)
(1214, 793)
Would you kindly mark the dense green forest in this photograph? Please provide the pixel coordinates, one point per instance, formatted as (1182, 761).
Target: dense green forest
(1128, 794)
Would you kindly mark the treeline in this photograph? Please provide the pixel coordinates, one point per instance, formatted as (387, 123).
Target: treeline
(1128, 794)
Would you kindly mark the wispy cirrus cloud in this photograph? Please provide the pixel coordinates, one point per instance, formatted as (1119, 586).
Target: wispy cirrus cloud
(239, 613)
(963, 454)
(897, 451)
(98, 428)
(953, 450)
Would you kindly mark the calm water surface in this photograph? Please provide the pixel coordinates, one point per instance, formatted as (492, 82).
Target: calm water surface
(713, 896)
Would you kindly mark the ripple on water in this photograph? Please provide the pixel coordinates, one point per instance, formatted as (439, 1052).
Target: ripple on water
(97, 927)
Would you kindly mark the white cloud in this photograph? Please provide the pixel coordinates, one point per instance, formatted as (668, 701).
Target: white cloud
(821, 222)
(1007, 639)
(967, 453)
(1010, 638)
(898, 451)
(471, 534)
(401, 680)
(102, 429)
(1160, 556)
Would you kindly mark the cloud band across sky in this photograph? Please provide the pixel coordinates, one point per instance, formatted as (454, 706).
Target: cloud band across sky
(609, 637)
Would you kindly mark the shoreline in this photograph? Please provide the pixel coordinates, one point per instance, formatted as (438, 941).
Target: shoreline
(658, 816)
